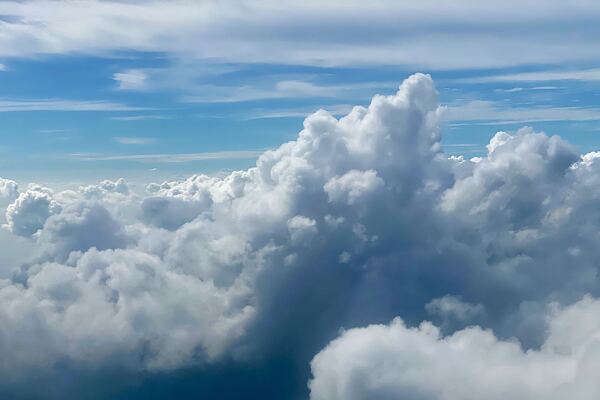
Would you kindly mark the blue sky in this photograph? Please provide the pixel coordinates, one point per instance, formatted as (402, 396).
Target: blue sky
(197, 88)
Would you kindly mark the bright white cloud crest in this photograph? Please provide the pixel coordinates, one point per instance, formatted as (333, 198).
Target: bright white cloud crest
(396, 362)
(355, 222)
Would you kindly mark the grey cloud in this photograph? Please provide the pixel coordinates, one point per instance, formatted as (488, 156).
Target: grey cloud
(454, 313)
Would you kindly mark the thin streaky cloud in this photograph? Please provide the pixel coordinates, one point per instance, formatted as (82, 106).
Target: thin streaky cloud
(495, 113)
(477, 150)
(430, 35)
(511, 90)
(545, 88)
(64, 105)
(52, 131)
(134, 140)
(140, 117)
(131, 79)
(539, 76)
(300, 112)
(171, 158)
(288, 89)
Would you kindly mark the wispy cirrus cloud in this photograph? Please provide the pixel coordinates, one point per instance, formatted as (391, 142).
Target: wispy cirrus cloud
(64, 105)
(133, 79)
(283, 89)
(134, 140)
(439, 35)
(298, 112)
(539, 76)
(140, 117)
(170, 158)
(522, 89)
(485, 112)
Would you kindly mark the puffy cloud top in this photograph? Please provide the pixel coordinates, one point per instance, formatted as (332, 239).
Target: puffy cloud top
(30, 210)
(9, 190)
(396, 362)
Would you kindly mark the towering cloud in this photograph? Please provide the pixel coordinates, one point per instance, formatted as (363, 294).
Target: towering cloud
(358, 221)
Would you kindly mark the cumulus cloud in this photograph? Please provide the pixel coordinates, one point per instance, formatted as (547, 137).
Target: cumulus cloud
(27, 215)
(357, 221)
(301, 229)
(106, 187)
(394, 361)
(227, 235)
(9, 189)
(352, 186)
(81, 226)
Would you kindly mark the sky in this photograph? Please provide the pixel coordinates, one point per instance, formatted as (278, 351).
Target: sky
(85, 96)
(313, 200)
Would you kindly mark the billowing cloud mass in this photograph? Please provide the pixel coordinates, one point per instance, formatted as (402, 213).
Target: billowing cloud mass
(396, 362)
(360, 221)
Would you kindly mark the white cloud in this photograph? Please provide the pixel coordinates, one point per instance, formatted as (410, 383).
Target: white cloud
(106, 263)
(394, 361)
(62, 105)
(302, 229)
(171, 158)
(300, 112)
(493, 113)
(134, 140)
(511, 90)
(441, 35)
(9, 189)
(132, 79)
(140, 117)
(30, 210)
(280, 90)
(353, 186)
(540, 76)
(520, 89)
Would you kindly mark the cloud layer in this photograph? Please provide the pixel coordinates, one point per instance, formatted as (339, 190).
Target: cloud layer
(358, 221)
(446, 34)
